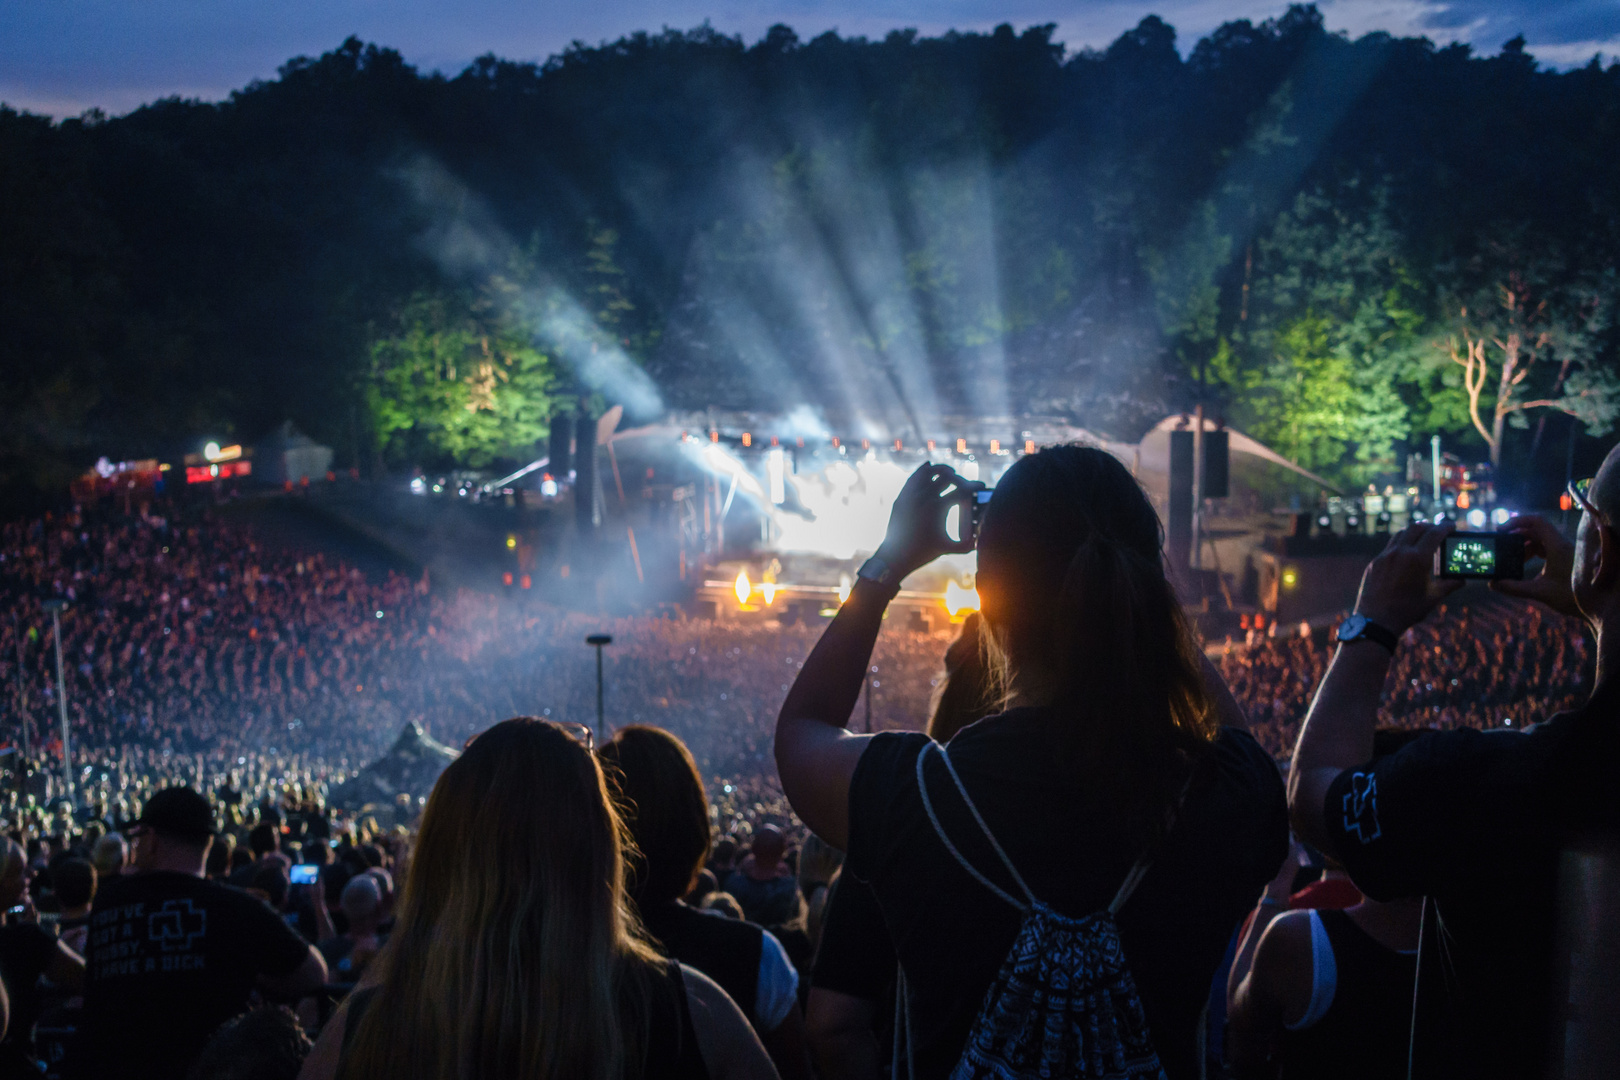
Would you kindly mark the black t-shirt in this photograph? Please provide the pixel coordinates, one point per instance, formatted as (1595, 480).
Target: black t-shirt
(952, 934)
(855, 956)
(26, 950)
(1477, 821)
(171, 957)
(726, 950)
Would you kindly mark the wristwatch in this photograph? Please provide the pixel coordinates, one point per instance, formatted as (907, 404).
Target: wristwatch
(878, 572)
(1361, 628)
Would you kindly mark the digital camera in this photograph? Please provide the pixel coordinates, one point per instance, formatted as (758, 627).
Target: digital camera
(1486, 556)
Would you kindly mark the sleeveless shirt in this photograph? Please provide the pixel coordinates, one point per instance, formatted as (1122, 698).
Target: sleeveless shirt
(1363, 1030)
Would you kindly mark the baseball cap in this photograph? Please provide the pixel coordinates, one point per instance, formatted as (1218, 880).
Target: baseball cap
(178, 811)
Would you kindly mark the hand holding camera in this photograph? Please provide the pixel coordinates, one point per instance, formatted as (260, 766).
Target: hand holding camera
(1399, 587)
(1552, 586)
(918, 532)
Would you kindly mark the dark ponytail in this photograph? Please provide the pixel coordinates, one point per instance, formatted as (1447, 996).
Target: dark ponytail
(1083, 618)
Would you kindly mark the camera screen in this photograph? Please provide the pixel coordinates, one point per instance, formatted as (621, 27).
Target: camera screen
(306, 874)
(1473, 556)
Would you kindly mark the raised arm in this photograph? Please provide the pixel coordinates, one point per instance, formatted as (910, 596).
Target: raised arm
(815, 756)
(1397, 590)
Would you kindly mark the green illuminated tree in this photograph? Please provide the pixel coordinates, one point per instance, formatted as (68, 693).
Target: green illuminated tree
(450, 385)
(1330, 359)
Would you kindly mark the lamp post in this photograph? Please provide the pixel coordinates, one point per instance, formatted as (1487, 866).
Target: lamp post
(55, 605)
(22, 707)
(598, 641)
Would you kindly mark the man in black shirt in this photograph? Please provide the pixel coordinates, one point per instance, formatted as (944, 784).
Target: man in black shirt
(172, 955)
(1476, 821)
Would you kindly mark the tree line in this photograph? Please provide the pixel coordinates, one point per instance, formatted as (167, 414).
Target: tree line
(1341, 246)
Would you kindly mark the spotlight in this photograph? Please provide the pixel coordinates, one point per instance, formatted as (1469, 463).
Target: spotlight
(960, 598)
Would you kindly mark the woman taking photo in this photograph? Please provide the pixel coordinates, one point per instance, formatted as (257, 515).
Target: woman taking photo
(1116, 769)
(515, 953)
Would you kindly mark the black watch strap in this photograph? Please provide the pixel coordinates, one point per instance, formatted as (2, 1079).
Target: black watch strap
(1371, 631)
(878, 572)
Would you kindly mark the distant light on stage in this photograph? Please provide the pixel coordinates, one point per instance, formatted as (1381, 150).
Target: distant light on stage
(1476, 519)
(843, 588)
(741, 587)
(511, 542)
(1502, 515)
(961, 446)
(776, 475)
(211, 451)
(548, 488)
(959, 598)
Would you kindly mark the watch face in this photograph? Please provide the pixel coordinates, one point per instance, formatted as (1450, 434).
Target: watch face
(1351, 628)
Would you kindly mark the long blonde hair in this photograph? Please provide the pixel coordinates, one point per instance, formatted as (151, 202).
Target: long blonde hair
(515, 955)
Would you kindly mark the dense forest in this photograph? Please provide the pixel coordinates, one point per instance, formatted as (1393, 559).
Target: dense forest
(1341, 246)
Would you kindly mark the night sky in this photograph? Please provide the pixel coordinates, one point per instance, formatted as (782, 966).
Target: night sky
(63, 56)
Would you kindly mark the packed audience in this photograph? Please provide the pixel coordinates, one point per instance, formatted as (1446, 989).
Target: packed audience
(255, 679)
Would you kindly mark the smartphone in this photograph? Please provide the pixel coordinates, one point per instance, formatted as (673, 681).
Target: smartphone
(981, 499)
(306, 874)
(1486, 556)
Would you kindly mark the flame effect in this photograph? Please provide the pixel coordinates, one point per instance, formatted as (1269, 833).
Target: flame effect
(742, 588)
(768, 591)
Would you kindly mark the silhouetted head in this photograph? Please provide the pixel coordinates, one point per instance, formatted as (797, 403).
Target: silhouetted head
(660, 796)
(515, 951)
(1079, 615)
(1596, 575)
(769, 846)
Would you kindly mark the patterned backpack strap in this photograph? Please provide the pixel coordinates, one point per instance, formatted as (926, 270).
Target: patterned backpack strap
(933, 818)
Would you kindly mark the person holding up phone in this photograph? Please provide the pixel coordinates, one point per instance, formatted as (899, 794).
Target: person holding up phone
(1109, 724)
(1476, 821)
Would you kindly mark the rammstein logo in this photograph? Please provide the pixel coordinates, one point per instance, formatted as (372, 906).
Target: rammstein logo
(1361, 807)
(176, 926)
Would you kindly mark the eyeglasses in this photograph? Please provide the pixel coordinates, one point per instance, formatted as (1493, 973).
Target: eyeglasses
(1580, 491)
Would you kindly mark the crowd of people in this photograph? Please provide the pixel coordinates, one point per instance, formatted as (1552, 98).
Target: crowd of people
(218, 689)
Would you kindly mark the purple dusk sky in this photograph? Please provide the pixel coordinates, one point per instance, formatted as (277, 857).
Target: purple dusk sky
(63, 56)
